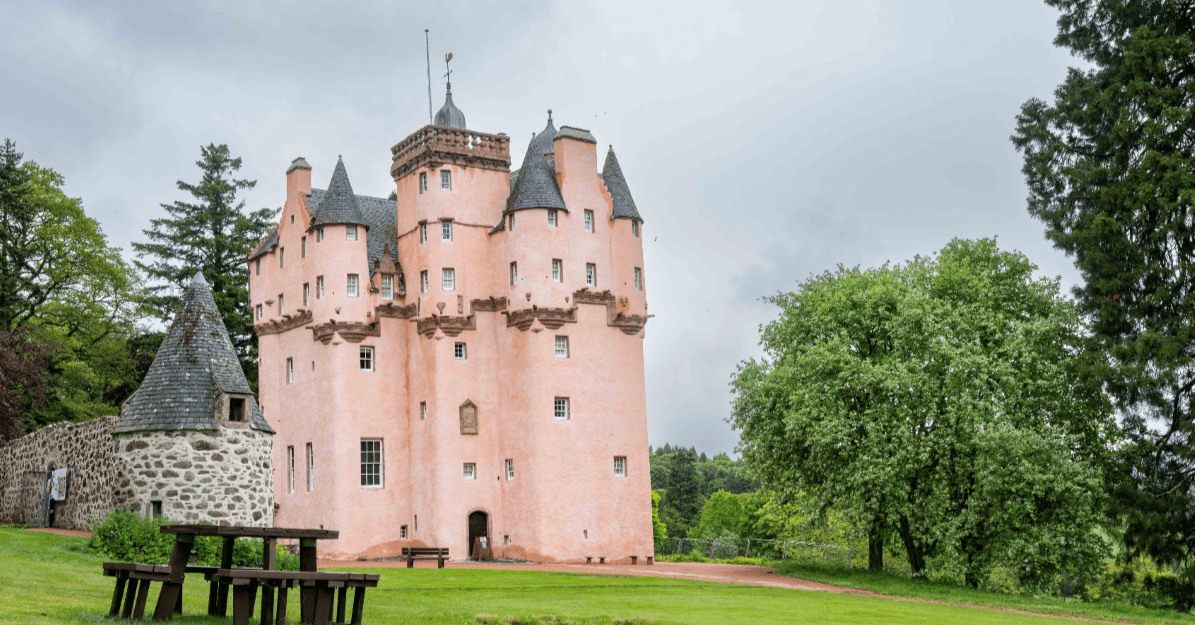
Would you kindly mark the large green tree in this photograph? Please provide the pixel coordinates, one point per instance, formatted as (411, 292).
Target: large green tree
(212, 234)
(681, 504)
(1110, 166)
(941, 400)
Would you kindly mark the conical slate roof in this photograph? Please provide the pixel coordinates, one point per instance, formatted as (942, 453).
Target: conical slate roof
(543, 141)
(339, 205)
(536, 185)
(195, 362)
(449, 115)
(624, 204)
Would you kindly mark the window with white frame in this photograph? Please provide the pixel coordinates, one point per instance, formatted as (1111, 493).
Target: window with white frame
(588, 221)
(319, 287)
(634, 228)
(590, 274)
(423, 233)
(445, 230)
(510, 469)
(281, 305)
(303, 247)
(290, 468)
(557, 270)
(306, 293)
(459, 351)
(638, 279)
(367, 359)
(423, 411)
(319, 235)
(448, 279)
(290, 370)
(512, 222)
(514, 274)
(561, 409)
(310, 468)
(562, 347)
(351, 285)
(350, 233)
(387, 287)
(402, 532)
(620, 466)
(552, 217)
(258, 270)
(470, 471)
(371, 463)
(423, 182)
(423, 281)
(445, 181)
(282, 257)
(260, 311)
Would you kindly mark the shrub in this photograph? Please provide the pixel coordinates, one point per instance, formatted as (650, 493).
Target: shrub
(129, 537)
(1139, 581)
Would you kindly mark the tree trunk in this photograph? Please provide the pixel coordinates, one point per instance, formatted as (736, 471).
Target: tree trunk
(915, 551)
(875, 548)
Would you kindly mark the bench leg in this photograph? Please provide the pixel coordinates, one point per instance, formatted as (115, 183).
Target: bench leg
(410, 562)
(280, 618)
(267, 605)
(168, 601)
(243, 598)
(358, 604)
(116, 595)
(342, 596)
(306, 604)
(130, 598)
(323, 606)
(222, 600)
(142, 594)
(178, 604)
(213, 595)
(441, 562)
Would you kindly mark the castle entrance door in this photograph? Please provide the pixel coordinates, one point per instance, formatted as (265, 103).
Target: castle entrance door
(478, 528)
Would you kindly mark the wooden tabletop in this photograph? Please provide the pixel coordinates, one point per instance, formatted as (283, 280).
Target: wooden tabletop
(255, 532)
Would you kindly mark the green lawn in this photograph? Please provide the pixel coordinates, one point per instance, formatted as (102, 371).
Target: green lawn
(52, 579)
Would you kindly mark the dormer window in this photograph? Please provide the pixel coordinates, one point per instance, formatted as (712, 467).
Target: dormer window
(552, 217)
(350, 233)
(445, 181)
(445, 230)
(423, 182)
(236, 409)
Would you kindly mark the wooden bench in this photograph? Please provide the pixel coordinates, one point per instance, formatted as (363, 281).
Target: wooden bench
(135, 594)
(425, 553)
(317, 607)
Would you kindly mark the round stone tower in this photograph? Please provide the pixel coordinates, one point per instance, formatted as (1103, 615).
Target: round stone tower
(192, 444)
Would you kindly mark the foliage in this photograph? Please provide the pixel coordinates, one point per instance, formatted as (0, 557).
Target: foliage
(213, 235)
(130, 537)
(717, 473)
(22, 380)
(940, 400)
(658, 527)
(1110, 166)
(681, 503)
(1138, 581)
(722, 513)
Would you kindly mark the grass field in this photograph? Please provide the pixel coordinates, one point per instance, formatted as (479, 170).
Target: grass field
(52, 579)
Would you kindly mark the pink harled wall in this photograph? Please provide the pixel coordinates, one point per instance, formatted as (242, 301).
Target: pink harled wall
(564, 503)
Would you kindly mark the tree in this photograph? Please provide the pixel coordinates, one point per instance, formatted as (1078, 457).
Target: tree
(213, 235)
(682, 500)
(941, 400)
(721, 515)
(1110, 166)
(22, 382)
(658, 527)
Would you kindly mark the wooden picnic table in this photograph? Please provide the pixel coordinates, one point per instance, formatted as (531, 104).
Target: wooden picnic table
(184, 539)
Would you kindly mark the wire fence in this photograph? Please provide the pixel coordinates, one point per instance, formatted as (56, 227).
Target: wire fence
(730, 548)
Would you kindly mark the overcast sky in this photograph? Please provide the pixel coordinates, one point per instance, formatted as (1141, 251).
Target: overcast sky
(761, 142)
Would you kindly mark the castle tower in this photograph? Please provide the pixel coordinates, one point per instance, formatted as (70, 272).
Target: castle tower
(191, 442)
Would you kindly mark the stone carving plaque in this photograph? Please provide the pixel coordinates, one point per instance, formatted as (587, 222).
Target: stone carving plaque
(468, 418)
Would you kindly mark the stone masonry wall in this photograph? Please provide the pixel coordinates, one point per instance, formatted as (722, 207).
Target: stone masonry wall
(223, 477)
(85, 445)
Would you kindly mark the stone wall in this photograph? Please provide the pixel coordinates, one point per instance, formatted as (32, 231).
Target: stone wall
(220, 476)
(87, 446)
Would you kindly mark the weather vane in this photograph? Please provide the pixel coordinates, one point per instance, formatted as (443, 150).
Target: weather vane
(448, 72)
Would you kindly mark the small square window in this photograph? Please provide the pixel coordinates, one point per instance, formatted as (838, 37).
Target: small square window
(445, 230)
(423, 281)
(319, 235)
(423, 182)
(306, 293)
(402, 532)
(282, 257)
(557, 270)
(292, 219)
(350, 233)
(319, 287)
(423, 411)
(514, 274)
(367, 359)
(590, 274)
(351, 285)
(620, 466)
(552, 217)
(638, 279)
(635, 228)
(155, 509)
(506, 539)
(510, 469)
(445, 181)
(281, 305)
(303, 248)
(470, 471)
(387, 287)
(260, 311)
(588, 221)
(290, 370)
(562, 347)
(236, 408)
(458, 351)
(423, 233)
(448, 279)
(371, 463)
(562, 409)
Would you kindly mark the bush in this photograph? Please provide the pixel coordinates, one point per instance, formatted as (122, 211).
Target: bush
(1140, 582)
(130, 537)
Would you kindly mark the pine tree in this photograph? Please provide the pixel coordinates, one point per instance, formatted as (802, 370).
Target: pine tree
(683, 497)
(213, 235)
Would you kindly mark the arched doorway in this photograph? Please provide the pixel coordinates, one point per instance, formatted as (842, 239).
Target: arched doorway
(479, 523)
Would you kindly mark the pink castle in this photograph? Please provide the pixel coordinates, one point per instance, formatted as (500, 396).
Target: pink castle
(466, 361)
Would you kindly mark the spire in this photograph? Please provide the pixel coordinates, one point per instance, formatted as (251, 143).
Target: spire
(543, 141)
(449, 115)
(624, 204)
(198, 279)
(536, 185)
(339, 204)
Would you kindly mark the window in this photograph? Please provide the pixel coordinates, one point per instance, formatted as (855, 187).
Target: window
(423, 411)
(620, 466)
(290, 370)
(423, 281)
(350, 233)
(512, 222)
(590, 274)
(514, 274)
(236, 409)
(510, 469)
(258, 263)
(445, 181)
(423, 233)
(470, 471)
(638, 279)
(290, 468)
(561, 408)
(588, 221)
(506, 539)
(367, 359)
(448, 279)
(303, 248)
(260, 312)
(423, 182)
(281, 305)
(557, 270)
(458, 351)
(387, 287)
(292, 219)
(351, 287)
(319, 235)
(371, 463)
(402, 532)
(552, 217)
(306, 293)
(310, 468)
(319, 287)
(282, 257)
(155, 509)
(445, 230)
(634, 228)
(562, 347)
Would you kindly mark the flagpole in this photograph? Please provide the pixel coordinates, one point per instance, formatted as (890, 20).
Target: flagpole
(428, 49)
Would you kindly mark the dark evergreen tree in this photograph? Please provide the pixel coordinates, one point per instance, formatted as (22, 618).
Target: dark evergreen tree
(682, 501)
(1110, 166)
(213, 234)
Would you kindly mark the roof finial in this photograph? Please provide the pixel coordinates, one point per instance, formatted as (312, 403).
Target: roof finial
(549, 115)
(448, 72)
